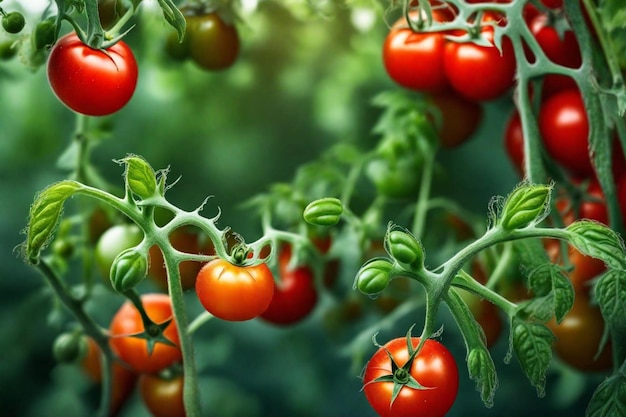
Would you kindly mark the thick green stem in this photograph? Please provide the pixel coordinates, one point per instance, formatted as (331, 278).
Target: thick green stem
(421, 208)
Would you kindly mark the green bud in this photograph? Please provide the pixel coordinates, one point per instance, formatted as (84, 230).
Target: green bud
(69, 347)
(140, 177)
(13, 22)
(129, 268)
(7, 50)
(323, 212)
(44, 34)
(405, 249)
(374, 276)
(524, 206)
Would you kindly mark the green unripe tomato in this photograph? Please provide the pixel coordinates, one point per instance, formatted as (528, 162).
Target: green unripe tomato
(13, 22)
(114, 241)
(128, 269)
(405, 249)
(44, 34)
(7, 50)
(374, 276)
(69, 347)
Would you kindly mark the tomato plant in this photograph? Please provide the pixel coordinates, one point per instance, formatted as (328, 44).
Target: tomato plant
(141, 354)
(295, 295)
(163, 396)
(232, 292)
(90, 81)
(427, 382)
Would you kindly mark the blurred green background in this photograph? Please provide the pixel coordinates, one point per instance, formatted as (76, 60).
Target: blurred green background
(302, 83)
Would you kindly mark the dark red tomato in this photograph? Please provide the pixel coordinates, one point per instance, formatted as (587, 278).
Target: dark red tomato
(232, 292)
(123, 379)
(295, 295)
(514, 142)
(460, 118)
(133, 350)
(553, 4)
(562, 49)
(434, 368)
(213, 44)
(415, 60)
(91, 81)
(185, 240)
(480, 73)
(163, 397)
(578, 337)
(565, 131)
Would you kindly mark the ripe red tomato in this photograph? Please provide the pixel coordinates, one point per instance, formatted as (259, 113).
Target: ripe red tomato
(560, 48)
(460, 118)
(91, 81)
(434, 368)
(233, 292)
(514, 142)
(162, 397)
(213, 44)
(480, 73)
(415, 60)
(134, 351)
(123, 379)
(578, 337)
(185, 240)
(295, 295)
(565, 131)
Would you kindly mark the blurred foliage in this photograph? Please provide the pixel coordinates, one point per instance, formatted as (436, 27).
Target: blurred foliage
(303, 82)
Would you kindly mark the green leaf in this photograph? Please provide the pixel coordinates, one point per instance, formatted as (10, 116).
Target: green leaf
(482, 370)
(538, 308)
(532, 344)
(44, 216)
(610, 292)
(597, 240)
(540, 278)
(174, 17)
(524, 206)
(140, 177)
(563, 295)
(609, 399)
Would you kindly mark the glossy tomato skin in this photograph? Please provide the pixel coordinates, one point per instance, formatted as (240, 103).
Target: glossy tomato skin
(213, 44)
(480, 73)
(578, 337)
(123, 379)
(232, 292)
(295, 295)
(564, 129)
(434, 368)
(163, 397)
(415, 60)
(90, 81)
(134, 351)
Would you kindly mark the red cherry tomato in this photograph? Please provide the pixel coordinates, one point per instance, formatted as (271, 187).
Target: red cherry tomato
(232, 292)
(460, 119)
(162, 396)
(480, 73)
(514, 142)
(415, 60)
(295, 295)
(91, 81)
(562, 49)
(134, 351)
(578, 337)
(434, 368)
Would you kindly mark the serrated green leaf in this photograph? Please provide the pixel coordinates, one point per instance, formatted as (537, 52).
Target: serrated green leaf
(44, 216)
(140, 177)
(538, 308)
(532, 344)
(610, 292)
(482, 370)
(540, 278)
(174, 17)
(609, 398)
(597, 240)
(563, 295)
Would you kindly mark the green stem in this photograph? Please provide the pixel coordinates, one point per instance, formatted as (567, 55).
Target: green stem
(421, 208)
(199, 321)
(191, 396)
(467, 282)
(470, 329)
